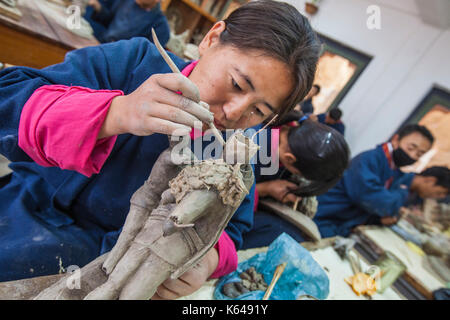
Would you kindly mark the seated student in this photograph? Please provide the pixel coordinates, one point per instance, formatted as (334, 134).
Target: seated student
(331, 118)
(311, 150)
(306, 105)
(114, 20)
(432, 183)
(373, 185)
(83, 135)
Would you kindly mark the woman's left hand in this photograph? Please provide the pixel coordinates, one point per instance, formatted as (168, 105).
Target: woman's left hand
(190, 281)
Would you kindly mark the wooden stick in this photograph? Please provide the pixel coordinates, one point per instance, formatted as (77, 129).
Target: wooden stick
(175, 69)
(296, 203)
(277, 274)
(267, 124)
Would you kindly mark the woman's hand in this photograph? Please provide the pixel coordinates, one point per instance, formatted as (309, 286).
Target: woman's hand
(277, 189)
(191, 280)
(95, 4)
(389, 221)
(155, 107)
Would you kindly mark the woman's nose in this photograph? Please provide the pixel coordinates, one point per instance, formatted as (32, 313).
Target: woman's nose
(236, 108)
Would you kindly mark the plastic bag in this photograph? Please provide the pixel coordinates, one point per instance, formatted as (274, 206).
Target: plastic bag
(302, 275)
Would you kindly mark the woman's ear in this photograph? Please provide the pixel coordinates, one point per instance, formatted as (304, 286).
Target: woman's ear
(290, 158)
(395, 141)
(212, 37)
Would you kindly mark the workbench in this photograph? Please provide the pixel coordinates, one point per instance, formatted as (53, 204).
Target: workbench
(38, 39)
(336, 268)
(418, 281)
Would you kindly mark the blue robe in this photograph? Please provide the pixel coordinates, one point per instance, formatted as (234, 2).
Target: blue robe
(361, 196)
(50, 214)
(307, 106)
(339, 126)
(124, 19)
(267, 226)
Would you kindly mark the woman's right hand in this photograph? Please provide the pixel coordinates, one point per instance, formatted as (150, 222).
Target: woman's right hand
(155, 107)
(278, 189)
(95, 4)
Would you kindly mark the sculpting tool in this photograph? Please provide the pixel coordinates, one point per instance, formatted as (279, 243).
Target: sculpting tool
(175, 69)
(277, 274)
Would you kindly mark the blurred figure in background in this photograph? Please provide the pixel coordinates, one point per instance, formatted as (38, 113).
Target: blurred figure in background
(332, 119)
(306, 105)
(373, 188)
(114, 20)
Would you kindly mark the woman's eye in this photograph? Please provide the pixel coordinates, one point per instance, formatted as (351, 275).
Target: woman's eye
(259, 112)
(235, 85)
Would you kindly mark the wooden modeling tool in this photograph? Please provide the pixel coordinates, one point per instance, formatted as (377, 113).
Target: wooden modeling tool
(276, 275)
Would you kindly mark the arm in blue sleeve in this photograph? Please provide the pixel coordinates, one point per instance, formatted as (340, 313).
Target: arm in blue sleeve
(109, 66)
(366, 189)
(162, 30)
(103, 17)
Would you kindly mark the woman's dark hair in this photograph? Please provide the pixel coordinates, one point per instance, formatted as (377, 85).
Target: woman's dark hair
(280, 31)
(410, 128)
(322, 156)
(442, 175)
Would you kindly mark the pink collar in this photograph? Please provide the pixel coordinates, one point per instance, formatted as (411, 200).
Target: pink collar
(195, 133)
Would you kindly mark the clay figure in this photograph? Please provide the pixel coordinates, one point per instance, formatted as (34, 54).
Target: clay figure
(174, 219)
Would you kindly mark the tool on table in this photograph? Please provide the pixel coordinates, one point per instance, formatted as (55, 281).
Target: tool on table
(391, 268)
(175, 69)
(343, 246)
(277, 274)
(360, 282)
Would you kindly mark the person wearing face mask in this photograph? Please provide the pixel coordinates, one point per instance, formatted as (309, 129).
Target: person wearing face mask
(310, 152)
(83, 135)
(373, 187)
(114, 20)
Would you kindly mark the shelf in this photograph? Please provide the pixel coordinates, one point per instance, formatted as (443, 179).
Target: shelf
(197, 8)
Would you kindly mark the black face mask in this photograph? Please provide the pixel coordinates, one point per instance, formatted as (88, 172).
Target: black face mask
(401, 158)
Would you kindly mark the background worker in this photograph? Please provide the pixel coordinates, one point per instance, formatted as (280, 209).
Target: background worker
(331, 118)
(114, 20)
(311, 151)
(306, 106)
(373, 187)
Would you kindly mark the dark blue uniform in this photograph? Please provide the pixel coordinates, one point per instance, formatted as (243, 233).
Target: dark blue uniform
(369, 190)
(124, 19)
(340, 127)
(267, 226)
(50, 214)
(307, 106)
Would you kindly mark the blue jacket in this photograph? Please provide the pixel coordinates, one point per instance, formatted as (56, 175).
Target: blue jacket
(361, 196)
(307, 106)
(340, 127)
(124, 19)
(49, 212)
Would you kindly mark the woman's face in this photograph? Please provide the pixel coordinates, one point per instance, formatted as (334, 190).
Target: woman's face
(242, 88)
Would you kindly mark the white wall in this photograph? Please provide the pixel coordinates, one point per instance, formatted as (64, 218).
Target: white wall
(409, 56)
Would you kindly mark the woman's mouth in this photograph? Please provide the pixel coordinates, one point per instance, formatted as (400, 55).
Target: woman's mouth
(218, 125)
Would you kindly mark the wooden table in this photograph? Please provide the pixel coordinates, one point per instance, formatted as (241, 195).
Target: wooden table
(336, 269)
(418, 275)
(37, 40)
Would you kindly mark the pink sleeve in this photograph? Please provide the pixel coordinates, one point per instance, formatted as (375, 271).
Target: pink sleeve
(255, 207)
(228, 259)
(59, 126)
